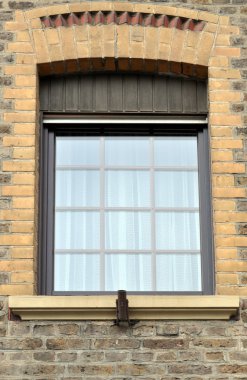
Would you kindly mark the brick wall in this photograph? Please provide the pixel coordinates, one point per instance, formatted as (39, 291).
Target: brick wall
(160, 350)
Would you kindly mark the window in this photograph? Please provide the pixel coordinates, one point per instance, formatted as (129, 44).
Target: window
(125, 206)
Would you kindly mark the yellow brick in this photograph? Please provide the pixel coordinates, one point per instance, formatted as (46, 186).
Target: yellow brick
(24, 128)
(228, 192)
(26, 59)
(164, 9)
(18, 141)
(23, 36)
(82, 33)
(79, 7)
(23, 202)
(36, 13)
(25, 227)
(82, 50)
(226, 144)
(22, 277)
(19, 166)
(226, 253)
(216, 119)
(20, 69)
(192, 39)
(219, 61)
(56, 53)
(224, 216)
(164, 52)
(225, 229)
(15, 240)
(68, 43)
(232, 290)
(221, 132)
(224, 96)
(36, 23)
(206, 16)
(209, 27)
(17, 215)
(40, 44)
(23, 179)
(223, 167)
(23, 190)
(25, 105)
(222, 278)
(187, 13)
(221, 84)
(25, 80)
(221, 155)
(24, 153)
(227, 51)
(150, 48)
(232, 266)
(20, 47)
(222, 40)
(20, 93)
(22, 253)
(224, 20)
(224, 73)
(229, 30)
(223, 180)
(57, 9)
(178, 40)
(137, 50)
(123, 6)
(19, 289)
(204, 48)
(52, 36)
(222, 205)
(20, 117)
(220, 108)
(15, 26)
(122, 37)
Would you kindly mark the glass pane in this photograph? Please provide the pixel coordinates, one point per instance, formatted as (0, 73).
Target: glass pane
(77, 150)
(127, 188)
(127, 230)
(127, 151)
(131, 272)
(77, 272)
(175, 151)
(79, 188)
(77, 230)
(178, 272)
(177, 230)
(176, 189)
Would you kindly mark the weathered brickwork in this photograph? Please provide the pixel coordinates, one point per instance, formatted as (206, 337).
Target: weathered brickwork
(99, 350)
(149, 350)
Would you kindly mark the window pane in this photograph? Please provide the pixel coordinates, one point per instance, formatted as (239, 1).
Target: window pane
(77, 188)
(77, 150)
(178, 272)
(177, 230)
(176, 189)
(127, 151)
(175, 151)
(77, 230)
(77, 272)
(127, 230)
(131, 272)
(127, 188)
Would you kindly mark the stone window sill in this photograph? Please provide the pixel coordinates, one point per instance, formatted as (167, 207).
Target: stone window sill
(140, 307)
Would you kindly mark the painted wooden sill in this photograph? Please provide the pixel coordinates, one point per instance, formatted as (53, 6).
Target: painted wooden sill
(141, 307)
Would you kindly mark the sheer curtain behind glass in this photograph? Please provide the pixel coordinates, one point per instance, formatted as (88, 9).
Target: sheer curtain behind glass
(127, 214)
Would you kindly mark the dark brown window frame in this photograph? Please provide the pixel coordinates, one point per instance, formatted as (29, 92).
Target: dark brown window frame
(63, 127)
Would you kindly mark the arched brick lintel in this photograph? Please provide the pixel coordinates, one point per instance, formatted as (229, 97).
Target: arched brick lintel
(79, 46)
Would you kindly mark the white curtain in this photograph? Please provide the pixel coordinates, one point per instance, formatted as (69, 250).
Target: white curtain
(117, 245)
